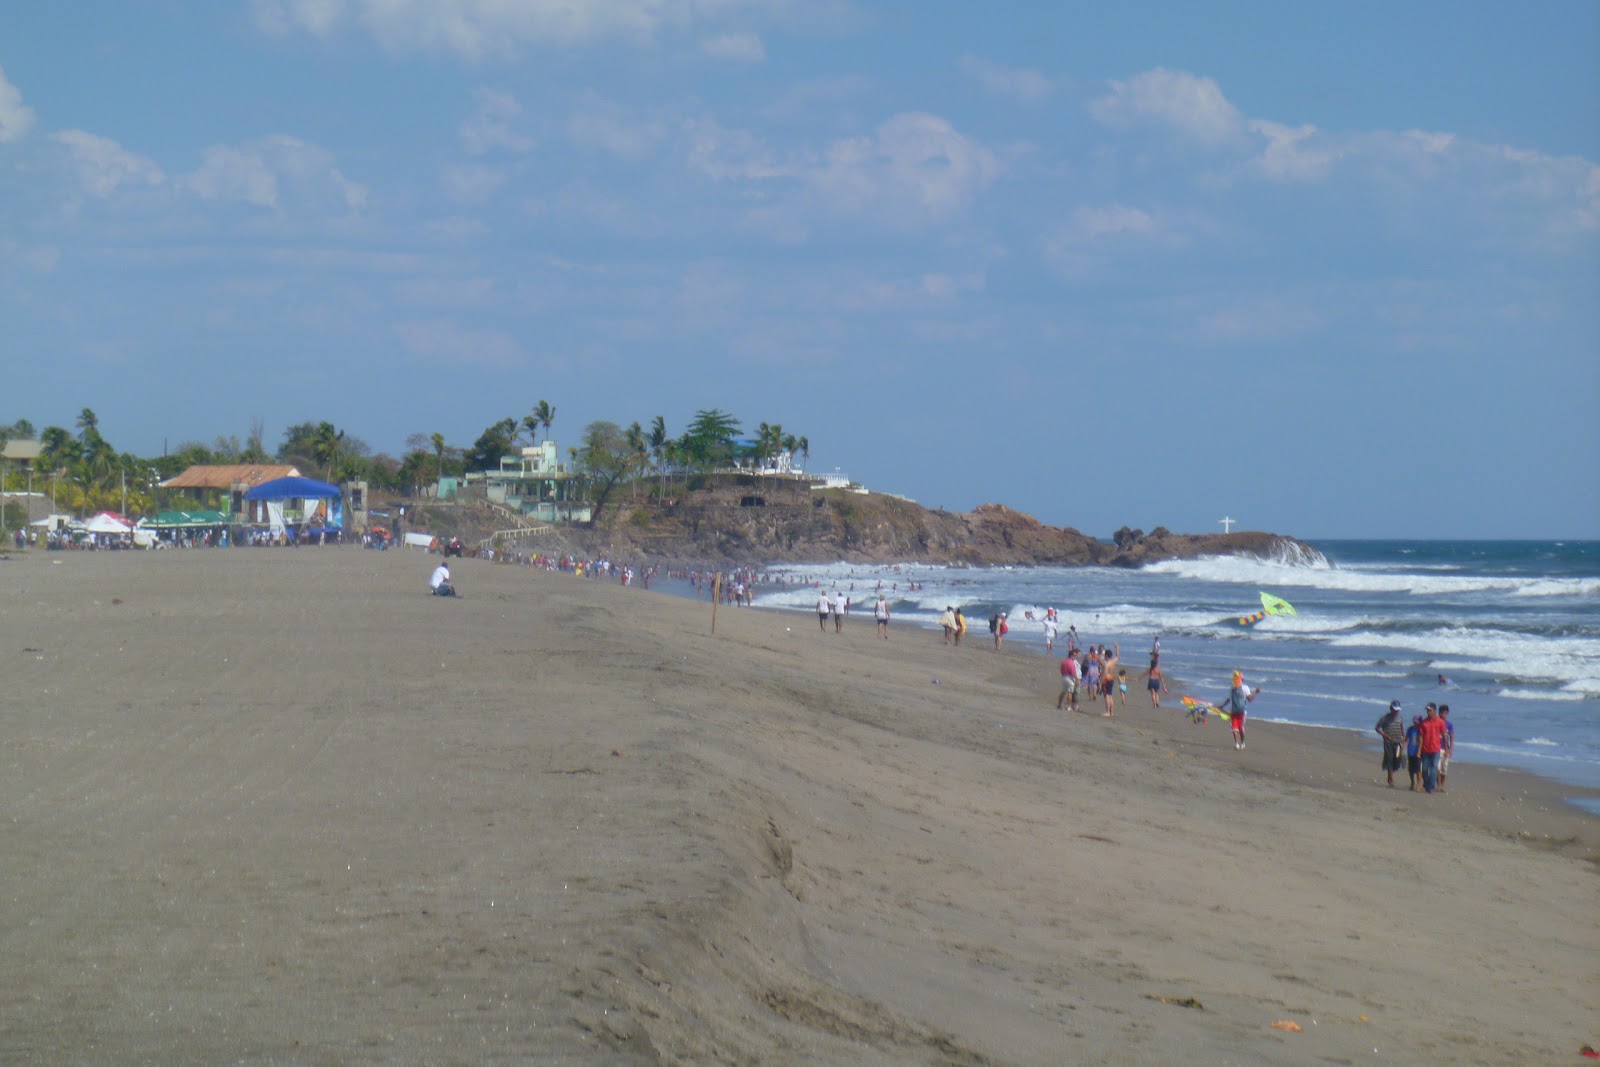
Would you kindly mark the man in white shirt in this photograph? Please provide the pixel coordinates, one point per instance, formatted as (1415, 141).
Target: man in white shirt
(840, 603)
(824, 605)
(440, 582)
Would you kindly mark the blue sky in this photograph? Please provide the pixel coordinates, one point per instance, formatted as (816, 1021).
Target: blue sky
(1333, 269)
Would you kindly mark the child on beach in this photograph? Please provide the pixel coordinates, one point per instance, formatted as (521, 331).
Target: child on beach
(1122, 686)
(1235, 703)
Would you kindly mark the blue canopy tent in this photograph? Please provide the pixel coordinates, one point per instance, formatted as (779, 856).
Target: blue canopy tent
(320, 505)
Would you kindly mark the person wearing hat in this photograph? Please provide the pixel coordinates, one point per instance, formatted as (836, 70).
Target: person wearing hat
(1392, 729)
(1239, 696)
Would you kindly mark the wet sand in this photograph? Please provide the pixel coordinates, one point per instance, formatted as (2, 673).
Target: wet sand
(280, 806)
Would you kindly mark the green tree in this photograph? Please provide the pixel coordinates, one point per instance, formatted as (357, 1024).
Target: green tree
(658, 449)
(88, 425)
(605, 458)
(438, 452)
(804, 445)
(711, 439)
(326, 443)
(544, 413)
(497, 440)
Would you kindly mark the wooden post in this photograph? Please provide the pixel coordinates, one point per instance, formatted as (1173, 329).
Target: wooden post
(716, 595)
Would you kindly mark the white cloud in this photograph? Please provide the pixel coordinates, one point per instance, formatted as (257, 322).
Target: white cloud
(1026, 85)
(739, 47)
(446, 342)
(722, 154)
(602, 128)
(490, 126)
(16, 118)
(950, 286)
(227, 173)
(1091, 223)
(477, 29)
(1293, 153)
(259, 172)
(916, 165)
(471, 184)
(104, 166)
(1192, 105)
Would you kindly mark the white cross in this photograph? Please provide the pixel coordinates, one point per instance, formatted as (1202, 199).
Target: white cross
(1227, 524)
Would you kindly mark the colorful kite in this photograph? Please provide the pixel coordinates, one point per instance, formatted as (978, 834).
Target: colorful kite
(1270, 605)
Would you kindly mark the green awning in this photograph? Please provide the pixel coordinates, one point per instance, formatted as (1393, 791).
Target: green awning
(174, 519)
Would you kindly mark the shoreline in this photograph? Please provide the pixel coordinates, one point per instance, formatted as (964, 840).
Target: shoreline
(285, 806)
(1545, 788)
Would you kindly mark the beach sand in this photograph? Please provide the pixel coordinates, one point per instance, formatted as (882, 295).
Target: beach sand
(280, 806)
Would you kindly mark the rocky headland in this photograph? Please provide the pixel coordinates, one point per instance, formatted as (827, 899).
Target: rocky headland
(748, 519)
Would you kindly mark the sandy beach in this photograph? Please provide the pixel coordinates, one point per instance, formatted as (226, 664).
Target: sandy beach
(280, 806)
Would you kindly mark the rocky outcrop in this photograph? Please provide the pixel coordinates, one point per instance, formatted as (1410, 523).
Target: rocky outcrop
(742, 519)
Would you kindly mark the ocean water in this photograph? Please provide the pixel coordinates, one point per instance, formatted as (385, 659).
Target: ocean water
(1513, 625)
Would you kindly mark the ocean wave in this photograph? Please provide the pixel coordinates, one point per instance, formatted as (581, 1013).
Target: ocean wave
(1541, 741)
(1541, 694)
(1358, 578)
(1497, 653)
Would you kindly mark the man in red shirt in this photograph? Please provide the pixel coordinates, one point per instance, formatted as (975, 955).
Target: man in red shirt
(1069, 683)
(1431, 734)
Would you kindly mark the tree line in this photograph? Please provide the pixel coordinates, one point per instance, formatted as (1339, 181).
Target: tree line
(84, 472)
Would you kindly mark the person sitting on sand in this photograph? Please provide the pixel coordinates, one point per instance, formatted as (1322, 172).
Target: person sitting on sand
(440, 582)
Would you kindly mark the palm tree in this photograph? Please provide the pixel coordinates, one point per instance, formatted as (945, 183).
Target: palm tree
(325, 447)
(88, 425)
(545, 413)
(804, 445)
(438, 452)
(658, 449)
(638, 448)
(531, 424)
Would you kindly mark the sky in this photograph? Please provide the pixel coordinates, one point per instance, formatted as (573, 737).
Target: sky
(1331, 269)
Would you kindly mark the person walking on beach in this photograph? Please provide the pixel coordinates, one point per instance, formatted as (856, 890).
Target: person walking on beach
(1108, 678)
(1235, 703)
(1449, 743)
(1392, 729)
(1413, 755)
(841, 604)
(961, 627)
(1156, 684)
(1050, 632)
(824, 606)
(880, 612)
(948, 621)
(1069, 684)
(1430, 732)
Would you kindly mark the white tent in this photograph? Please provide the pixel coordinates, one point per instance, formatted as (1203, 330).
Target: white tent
(107, 523)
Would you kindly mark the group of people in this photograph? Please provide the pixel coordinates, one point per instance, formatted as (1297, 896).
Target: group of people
(837, 606)
(1097, 671)
(1424, 748)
